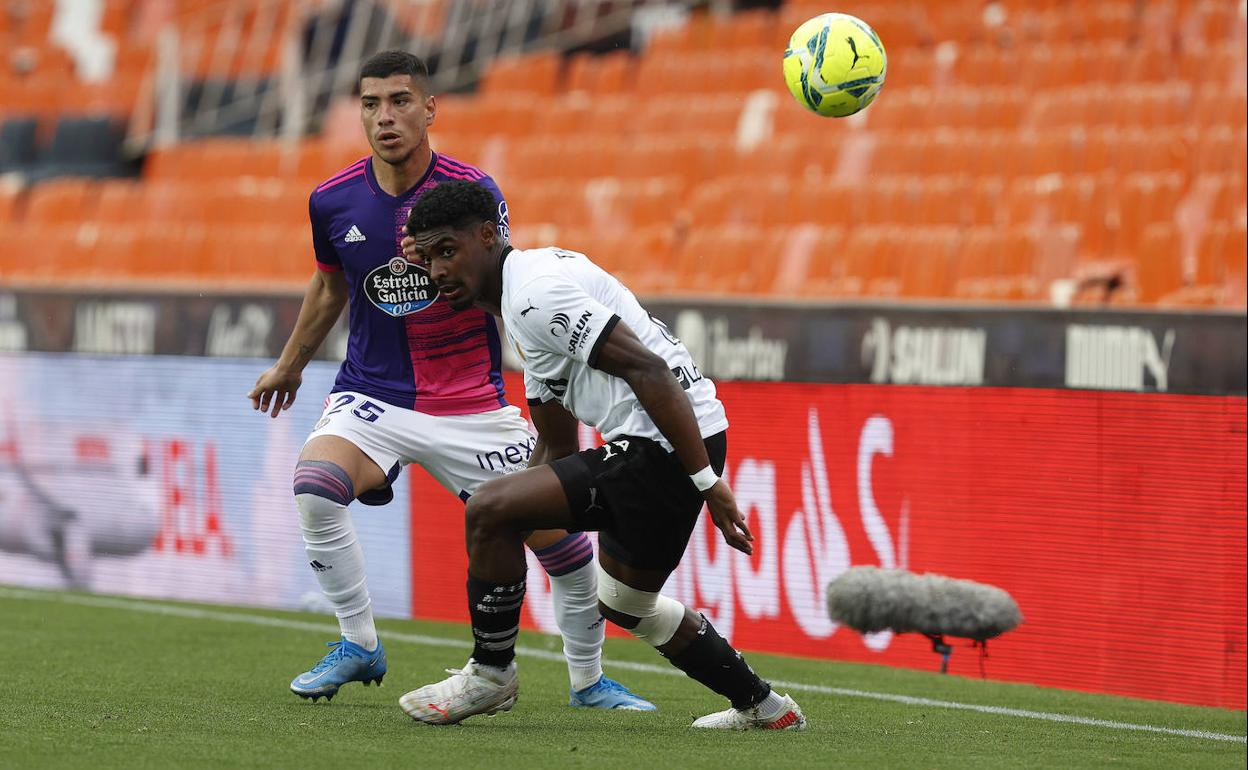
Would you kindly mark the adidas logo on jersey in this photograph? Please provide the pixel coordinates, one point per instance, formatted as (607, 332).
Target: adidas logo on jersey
(354, 235)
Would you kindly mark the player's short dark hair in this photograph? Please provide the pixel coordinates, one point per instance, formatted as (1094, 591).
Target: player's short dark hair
(455, 204)
(383, 64)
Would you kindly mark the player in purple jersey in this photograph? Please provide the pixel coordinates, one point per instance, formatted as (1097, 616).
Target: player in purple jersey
(421, 383)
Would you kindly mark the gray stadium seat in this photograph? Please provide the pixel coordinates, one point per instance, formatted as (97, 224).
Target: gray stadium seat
(17, 144)
(83, 147)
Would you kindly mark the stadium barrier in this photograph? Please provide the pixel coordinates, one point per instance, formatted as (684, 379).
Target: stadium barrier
(182, 491)
(1007, 346)
(1116, 519)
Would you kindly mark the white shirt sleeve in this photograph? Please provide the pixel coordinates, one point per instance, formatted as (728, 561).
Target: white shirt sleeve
(563, 319)
(536, 391)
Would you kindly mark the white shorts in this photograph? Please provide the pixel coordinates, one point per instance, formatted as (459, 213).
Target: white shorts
(461, 451)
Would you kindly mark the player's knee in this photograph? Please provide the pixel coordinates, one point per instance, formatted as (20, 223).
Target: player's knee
(484, 512)
(321, 489)
(651, 617)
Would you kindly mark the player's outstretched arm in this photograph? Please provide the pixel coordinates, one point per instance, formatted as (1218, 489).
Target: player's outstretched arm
(655, 386)
(557, 433)
(322, 304)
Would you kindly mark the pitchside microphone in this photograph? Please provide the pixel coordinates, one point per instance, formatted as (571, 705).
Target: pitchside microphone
(869, 599)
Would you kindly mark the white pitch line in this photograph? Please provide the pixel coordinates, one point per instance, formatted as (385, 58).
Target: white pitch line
(156, 608)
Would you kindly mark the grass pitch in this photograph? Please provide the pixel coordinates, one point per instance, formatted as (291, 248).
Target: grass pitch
(94, 682)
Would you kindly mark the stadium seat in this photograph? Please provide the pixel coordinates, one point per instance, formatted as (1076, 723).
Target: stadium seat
(1235, 279)
(926, 261)
(24, 242)
(63, 201)
(119, 201)
(1011, 148)
(17, 143)
(83, 146)
(1220, 255)
(976, 263)
(1018, 271)
(641, 259)
(10, 196)
(536, 74)
(1158, 267)
(650, 203)
(1142, 200)
(731, 259)
(598, 75)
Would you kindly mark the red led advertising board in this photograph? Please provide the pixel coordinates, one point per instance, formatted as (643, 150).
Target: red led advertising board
(1115, 520)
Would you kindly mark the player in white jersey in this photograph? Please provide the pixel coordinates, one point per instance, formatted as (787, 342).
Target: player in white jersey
(590, 352)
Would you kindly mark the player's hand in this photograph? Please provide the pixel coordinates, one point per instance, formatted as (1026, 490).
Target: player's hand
(723, 507)
(276, 388)
(409, 250)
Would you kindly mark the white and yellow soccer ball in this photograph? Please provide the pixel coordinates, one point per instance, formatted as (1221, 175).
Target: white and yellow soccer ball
(835, 65)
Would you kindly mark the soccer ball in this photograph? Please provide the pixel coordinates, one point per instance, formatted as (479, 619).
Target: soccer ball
(835, 65)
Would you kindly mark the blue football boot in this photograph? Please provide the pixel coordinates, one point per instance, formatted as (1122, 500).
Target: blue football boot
(346, 662)
(609, 694)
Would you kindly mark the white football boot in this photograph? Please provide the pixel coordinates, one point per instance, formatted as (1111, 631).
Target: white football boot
(465, 693)
(732, 719)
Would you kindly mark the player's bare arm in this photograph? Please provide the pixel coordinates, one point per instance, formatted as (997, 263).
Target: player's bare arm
(557, 433)
(323, 302)
(626, 357)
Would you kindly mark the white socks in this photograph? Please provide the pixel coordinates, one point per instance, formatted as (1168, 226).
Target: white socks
(335, 555)
(497, 674)
(574, 593)
(772, 707)
(575, 599)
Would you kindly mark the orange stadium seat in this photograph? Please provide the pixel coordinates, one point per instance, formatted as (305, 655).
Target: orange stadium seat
(798, 249)
(533, 74)
(36, 254)
(823, 201)
(927, 259)
(1142, 200)
(119, 201)
(641, 258)
(744, 30)
(984, 204)
(1216, 150)
(1235, 252)
(1004, 154)
(818, 252)
(730, 259)
(1221, 254)
(744, 200)
(67, 200)
(847, 272)
(600, 74)
(90, 257)
(1109, 21)
(10, 195)
(173, 253)
(563, 116)
(650, 202)
(110, 259)
(977, 262)
(1158, 267)
(315, 161)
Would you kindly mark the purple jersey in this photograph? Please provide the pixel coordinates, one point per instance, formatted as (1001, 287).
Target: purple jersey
(407, 347)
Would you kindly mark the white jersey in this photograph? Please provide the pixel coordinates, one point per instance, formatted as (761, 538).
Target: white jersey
(559, 309)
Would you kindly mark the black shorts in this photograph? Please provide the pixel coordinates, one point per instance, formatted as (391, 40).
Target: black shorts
(638, 497)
